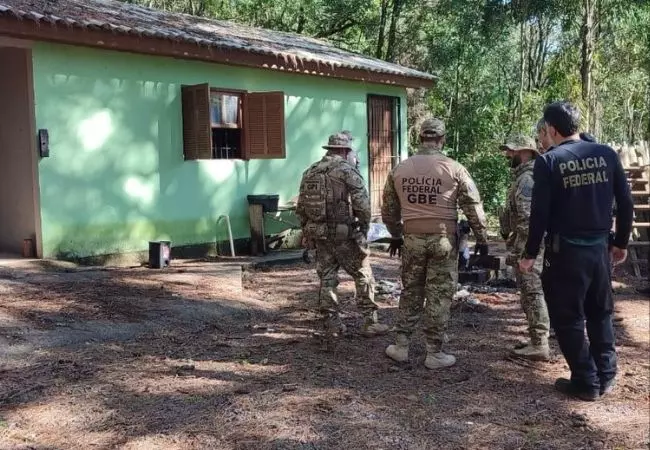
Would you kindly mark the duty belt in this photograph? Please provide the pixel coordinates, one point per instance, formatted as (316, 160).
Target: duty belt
(430, 226)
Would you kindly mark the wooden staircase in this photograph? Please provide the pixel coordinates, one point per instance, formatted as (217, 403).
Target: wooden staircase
(639, 246)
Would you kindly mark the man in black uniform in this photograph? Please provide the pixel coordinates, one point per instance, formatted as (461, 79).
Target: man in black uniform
(575, 186)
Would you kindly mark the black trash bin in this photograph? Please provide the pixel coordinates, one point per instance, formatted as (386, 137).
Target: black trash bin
(159, 254)
(269, 202)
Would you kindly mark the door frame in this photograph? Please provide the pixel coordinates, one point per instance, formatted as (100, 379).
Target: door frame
(26, 47)
(396, 142)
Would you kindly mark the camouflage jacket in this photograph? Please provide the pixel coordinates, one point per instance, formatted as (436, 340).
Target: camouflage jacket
(469, 201)
(516, 214)
(348, 174)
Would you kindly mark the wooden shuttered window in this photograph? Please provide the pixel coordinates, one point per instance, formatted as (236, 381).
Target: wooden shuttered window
(264, 125)
(197, 133)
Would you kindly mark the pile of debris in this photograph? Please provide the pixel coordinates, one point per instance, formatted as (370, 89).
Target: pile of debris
(391, 291)
(388, 290)
(465, 296)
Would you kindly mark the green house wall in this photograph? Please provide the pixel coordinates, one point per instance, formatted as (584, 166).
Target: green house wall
(116, 178)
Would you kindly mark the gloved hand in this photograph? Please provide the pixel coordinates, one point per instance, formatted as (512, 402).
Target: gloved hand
(482, 249)
(395, 247)
(505, 236)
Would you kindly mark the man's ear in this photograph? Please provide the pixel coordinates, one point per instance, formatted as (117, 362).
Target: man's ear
(551, 133)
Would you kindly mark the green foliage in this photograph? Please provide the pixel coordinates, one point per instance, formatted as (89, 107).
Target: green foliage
(499, 62)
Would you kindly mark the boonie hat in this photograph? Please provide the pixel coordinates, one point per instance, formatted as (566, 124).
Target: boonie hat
(338, 141)
(348, 133)
(519, 142)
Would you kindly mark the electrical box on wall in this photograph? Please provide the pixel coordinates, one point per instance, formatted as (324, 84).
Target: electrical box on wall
(43, 143)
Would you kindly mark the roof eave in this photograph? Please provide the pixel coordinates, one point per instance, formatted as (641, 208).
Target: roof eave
(115, 39)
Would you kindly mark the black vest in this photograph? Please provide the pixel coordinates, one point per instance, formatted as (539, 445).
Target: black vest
(582, 184)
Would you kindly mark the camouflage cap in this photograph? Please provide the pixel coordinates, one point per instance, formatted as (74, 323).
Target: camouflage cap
(432, 127)
(338, 141)
(519, 142)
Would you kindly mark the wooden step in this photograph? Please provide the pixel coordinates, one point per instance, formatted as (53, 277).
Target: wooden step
(642, 207)
(635, 169)
(640, 193)
(641, 224)
(638, 244)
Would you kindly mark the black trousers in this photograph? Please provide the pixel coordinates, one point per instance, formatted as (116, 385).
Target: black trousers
(577, 286)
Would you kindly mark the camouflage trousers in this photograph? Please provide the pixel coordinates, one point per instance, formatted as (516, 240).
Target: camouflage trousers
(429, 271)
(532, 302)
(355, 260)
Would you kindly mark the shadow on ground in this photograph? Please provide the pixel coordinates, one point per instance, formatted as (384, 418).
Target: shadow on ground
(206, 367)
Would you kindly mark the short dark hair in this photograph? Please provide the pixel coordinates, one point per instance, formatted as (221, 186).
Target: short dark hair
(564, 117)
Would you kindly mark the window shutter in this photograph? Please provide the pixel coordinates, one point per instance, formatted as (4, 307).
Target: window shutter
(197, 134)
(264, 126)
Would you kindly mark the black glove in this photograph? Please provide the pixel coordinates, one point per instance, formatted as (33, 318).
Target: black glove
(505, 236)
(482, 249)
(395, 247)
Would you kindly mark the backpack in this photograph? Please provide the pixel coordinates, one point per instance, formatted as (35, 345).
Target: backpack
(313, 194)
(324, 201)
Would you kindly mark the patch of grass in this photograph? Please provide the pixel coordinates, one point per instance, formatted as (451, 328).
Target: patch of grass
(533, 436)
(193, 399)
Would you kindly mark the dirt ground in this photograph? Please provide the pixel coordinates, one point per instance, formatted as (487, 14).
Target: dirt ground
(191, 357)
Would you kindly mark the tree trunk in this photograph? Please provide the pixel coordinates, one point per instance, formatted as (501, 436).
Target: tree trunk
(379, 52)
(546, 30)
(646, 132)
(522, 71)
(456, 143)
(392, 31)
(587, 58)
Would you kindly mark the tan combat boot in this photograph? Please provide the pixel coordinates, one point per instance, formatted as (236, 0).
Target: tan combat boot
(400, 350)
(371, 326)
(438, 359)
(535, 352)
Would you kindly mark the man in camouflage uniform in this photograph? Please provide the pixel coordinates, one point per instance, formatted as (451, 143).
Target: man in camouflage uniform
(353, 156)
(521, 151)
(334, 212)
(420, 209)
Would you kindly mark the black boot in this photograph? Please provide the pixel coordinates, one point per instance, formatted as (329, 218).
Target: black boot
(569, 388)
(607, 387)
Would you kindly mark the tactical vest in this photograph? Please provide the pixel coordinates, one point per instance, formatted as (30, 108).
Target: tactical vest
(325, 200)
(583, 179)
(427, 187)
(523, 171)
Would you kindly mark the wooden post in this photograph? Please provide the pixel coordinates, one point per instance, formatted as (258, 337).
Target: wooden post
(256, 217)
